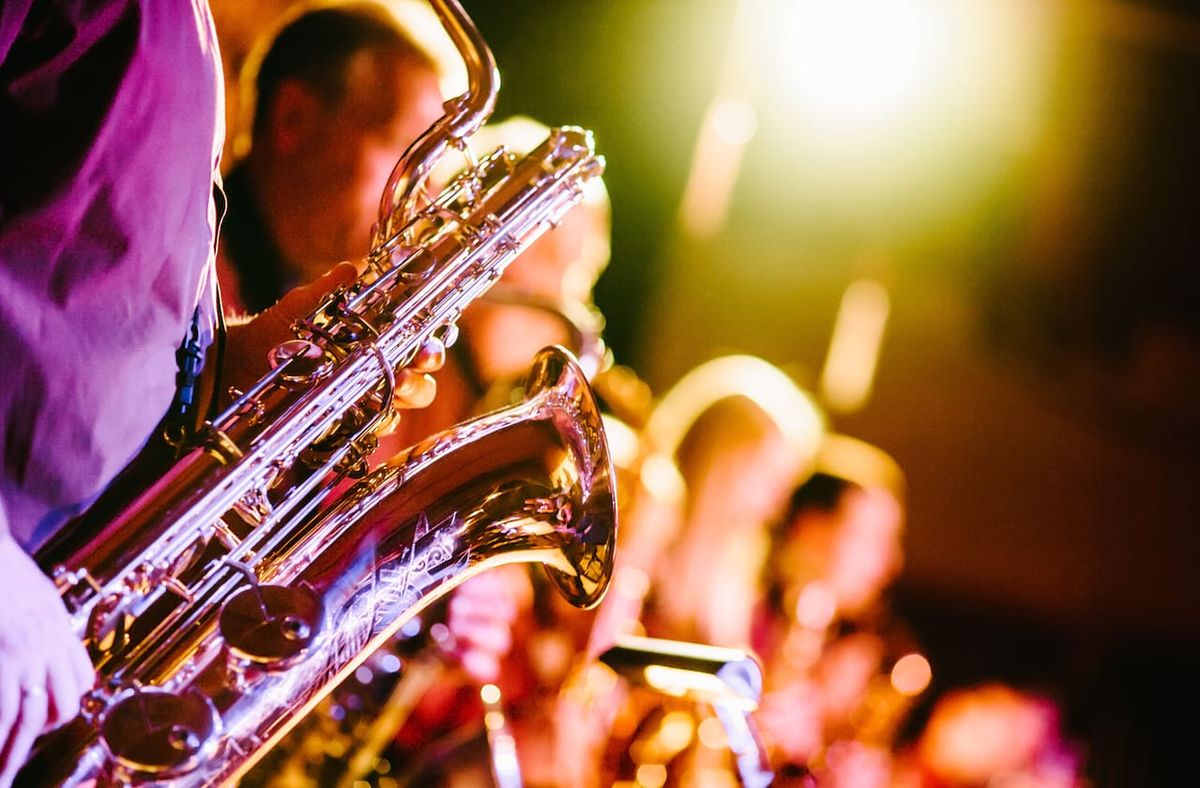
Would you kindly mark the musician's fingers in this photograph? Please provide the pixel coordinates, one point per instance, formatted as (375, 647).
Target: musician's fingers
(10, 705)
(414, 389)
(299, 302)
(430, 357)
(64, 690)
(31, 719)
(84, 670)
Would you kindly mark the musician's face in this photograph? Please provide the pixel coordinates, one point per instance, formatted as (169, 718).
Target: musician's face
(857, 546)
(356, 142)
(867, 553)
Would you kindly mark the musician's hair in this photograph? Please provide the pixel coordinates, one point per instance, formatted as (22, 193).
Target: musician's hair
(315, 46)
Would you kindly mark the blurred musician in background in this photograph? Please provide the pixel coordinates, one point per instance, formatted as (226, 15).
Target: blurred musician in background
(800, 583)
(338, 91)
(543, 298)
(720, 453)
(841, 671)
(990, 734)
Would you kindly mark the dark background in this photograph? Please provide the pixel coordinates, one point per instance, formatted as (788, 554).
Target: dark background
(1039, 378)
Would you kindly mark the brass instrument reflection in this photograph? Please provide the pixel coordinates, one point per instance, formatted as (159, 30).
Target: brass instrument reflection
(728, 682)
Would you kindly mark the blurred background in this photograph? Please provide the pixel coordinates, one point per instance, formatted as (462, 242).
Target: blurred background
(966, 227)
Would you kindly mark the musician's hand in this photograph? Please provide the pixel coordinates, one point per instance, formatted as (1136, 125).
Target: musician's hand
(415, 387)
(250, 342)
(44, 669)
(481, 616)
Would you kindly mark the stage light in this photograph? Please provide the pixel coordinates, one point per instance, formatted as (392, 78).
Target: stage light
(849, 372)
(852, 62)
(895, 113)
(903, 110)
(734, 121)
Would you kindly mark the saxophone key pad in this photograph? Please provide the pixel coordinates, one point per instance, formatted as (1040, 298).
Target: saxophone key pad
(153, 734)
(303, 361)
(271, 627)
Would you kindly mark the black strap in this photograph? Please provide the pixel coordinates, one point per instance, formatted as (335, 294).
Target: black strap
(181, 420)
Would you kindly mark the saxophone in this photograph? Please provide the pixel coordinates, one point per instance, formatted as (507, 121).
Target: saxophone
(230, 596)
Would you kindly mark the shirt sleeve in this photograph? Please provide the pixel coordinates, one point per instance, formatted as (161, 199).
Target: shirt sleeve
(12, 19)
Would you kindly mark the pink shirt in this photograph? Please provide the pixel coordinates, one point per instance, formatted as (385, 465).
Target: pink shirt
(111, 121)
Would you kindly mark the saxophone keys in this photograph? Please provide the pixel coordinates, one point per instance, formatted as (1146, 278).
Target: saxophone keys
(151, 734)
(300, 361)
(269, 627)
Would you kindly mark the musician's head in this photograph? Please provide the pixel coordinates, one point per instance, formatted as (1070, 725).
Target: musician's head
(994, 733)
(843, 527)
(739, 430)
(337, 93)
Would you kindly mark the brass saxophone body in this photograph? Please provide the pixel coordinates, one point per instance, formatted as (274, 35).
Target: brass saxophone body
(228, 598)
(528, 484)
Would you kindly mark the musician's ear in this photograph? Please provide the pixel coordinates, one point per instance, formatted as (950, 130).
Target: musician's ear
(293, 116)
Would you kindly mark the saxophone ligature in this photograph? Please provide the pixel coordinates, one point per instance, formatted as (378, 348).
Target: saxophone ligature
(231, 595)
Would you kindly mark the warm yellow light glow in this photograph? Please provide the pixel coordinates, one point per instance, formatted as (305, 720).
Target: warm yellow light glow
(631, 583)
(860, 60)
(651, 775)
(734, 121)
(622, 441)
(712, 734)
(679, 682)
(901, 110)
(661, 477)
(911, 675)
(715, 166)
(489, 694)
(676, 730)
(849, 372)
(888, 95)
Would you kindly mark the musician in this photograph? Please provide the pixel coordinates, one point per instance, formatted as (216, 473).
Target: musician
(823, 626)
(546, 290)
(542, 292)
(338, 91)
(993, 733)
(721, 451)
(113, 118)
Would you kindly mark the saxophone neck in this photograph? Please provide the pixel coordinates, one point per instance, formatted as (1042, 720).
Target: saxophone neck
(464, 116)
